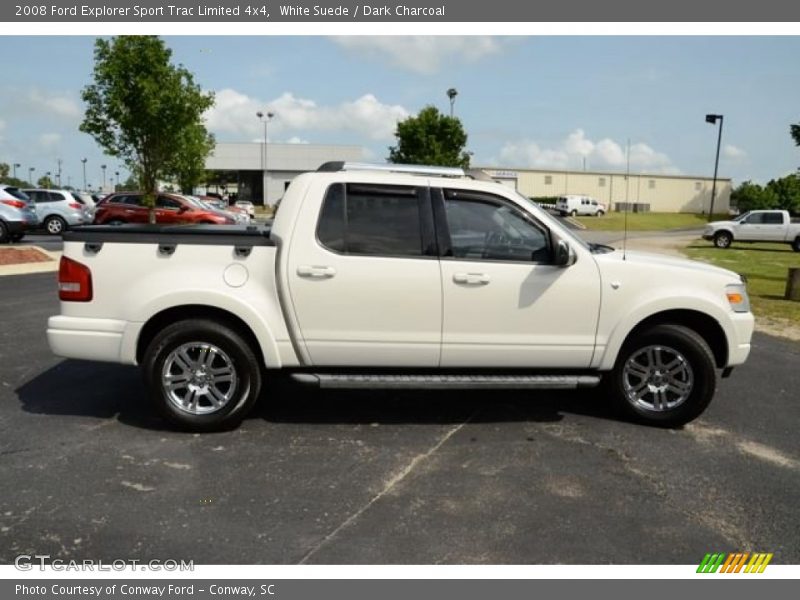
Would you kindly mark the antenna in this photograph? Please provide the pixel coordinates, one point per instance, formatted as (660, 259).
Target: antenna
(627, 198)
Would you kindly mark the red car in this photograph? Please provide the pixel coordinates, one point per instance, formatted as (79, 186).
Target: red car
(170, 209)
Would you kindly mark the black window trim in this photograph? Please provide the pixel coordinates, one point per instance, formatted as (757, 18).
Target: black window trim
(429, 248)
(443, 228)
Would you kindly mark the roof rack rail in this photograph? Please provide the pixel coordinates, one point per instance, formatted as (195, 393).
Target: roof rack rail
(334, 166)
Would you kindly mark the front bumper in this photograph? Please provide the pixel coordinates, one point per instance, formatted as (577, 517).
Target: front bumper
(739, 343)
(20, 227)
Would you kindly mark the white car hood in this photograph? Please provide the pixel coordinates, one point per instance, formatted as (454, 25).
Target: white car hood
(646, 259)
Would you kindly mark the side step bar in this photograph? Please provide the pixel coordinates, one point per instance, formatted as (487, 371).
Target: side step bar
(461, 382)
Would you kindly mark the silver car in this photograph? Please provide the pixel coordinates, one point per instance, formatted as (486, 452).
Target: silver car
(17, 215)
(58, 210)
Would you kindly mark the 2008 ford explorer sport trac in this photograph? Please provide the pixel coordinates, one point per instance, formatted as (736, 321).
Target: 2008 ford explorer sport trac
(396, 276)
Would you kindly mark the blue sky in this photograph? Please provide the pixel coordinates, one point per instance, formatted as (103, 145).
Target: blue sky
(549, 102)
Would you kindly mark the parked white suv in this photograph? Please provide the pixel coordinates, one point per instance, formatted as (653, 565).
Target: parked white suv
(424, 278)
(579, 205)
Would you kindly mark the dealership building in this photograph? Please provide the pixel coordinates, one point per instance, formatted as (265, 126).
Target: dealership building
(250, 169)
(643, 191)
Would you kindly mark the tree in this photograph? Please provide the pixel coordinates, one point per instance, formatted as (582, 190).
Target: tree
(430, 138)
(786, 192)
(5, 169)
(751, 196)
(187, 166)
(44, 182)
(795, 131)
(141, 108)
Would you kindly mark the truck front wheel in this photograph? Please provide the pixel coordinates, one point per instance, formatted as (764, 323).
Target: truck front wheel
(201, 375)
(722, 239)
(664, 376)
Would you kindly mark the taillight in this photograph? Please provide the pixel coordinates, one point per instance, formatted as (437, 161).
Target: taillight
(75, 205)
(74, 281)
(14, 203)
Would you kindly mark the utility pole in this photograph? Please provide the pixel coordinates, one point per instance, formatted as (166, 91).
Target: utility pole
(713, 120)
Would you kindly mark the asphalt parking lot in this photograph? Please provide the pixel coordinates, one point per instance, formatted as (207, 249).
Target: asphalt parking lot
(503, 477)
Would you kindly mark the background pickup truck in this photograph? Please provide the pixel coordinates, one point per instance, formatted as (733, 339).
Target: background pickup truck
(756, 226)
(396, 276)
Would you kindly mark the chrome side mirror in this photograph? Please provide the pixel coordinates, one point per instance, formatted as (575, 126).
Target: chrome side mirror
(565, 256)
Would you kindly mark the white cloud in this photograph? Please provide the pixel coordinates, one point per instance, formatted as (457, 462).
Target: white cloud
(61, 105)
(734, 152)
(422, 54)
(49, 140)
(570, 153)
(234, 112)
(296, 140)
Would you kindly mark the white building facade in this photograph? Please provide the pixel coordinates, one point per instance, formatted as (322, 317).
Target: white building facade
(642, 191)
(260, 173)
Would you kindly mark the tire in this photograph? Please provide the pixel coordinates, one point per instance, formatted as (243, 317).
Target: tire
(4, 235)
(178, 353)
(115, 222)
(643, 388)
(723, 239)
(600, 213)
(55, 225)
(574, 213)
(796, 244)
(17, 237)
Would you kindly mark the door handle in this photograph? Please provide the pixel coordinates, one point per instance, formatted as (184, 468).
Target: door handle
(471, 278)
(316, 271)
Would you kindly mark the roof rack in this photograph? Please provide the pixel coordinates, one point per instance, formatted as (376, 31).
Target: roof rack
(334, 166)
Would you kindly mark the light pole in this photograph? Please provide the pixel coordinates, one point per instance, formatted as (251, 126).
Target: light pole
(103, 167)
(116, 173)
(713, 120)
(47, 174)
(15, 169)
(30, 175)
(452, 93)
(58, 176)
(265, 118)
(83, 160)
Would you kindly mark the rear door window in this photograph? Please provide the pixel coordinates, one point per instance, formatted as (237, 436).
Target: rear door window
(374, 220)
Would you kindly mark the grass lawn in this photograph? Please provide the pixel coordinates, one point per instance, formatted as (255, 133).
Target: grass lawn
(764, 265)
(615, 221)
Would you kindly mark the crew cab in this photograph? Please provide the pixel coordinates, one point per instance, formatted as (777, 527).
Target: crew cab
(755, 226)
(394, 276)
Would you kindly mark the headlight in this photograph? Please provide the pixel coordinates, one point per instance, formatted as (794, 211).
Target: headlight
(737, 297)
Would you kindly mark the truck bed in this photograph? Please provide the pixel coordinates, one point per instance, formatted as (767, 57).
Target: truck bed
(212, 235)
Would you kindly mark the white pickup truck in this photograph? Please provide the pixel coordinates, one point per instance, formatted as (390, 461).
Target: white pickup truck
(396, 276)
(755, 226)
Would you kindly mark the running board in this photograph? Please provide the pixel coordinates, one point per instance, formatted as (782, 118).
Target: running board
(461, 382)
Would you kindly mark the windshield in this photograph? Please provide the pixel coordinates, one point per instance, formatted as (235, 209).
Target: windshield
(742, 216)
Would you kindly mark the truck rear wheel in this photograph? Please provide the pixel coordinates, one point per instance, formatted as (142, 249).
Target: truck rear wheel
(664, 377)
(796, 244)
(202, 375)
(722, 239)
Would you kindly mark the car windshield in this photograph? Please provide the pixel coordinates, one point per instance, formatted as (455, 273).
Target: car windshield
(742, 216)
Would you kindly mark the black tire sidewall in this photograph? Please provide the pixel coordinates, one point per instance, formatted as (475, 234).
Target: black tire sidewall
(49, 220)
(4, 235)
(796, 245)
(723, 235)
(701, 360)
(248, 372)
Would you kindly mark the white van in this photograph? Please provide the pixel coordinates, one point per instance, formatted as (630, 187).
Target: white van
(579, 205)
